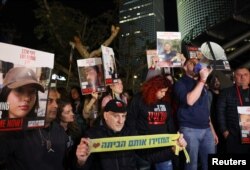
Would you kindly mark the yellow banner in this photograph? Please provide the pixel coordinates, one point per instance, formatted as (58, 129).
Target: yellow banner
(136, 142)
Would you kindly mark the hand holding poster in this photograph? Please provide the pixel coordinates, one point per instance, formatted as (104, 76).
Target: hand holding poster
(24, 81)
(91, 78)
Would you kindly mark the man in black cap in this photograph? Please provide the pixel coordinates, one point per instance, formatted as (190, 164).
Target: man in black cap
(114, 126)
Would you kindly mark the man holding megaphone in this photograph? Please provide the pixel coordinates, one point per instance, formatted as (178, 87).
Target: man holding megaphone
(193, 113)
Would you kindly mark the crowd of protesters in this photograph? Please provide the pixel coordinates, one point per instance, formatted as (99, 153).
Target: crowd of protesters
(205, 115)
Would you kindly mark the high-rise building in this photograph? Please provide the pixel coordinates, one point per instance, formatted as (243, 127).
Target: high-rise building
(225, 22)
(195, 16)
(139, 22)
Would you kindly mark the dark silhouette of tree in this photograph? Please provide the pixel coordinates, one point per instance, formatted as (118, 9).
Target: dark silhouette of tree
(59, 24)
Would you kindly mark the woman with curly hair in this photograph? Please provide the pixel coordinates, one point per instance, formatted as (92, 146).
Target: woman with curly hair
(150, 112)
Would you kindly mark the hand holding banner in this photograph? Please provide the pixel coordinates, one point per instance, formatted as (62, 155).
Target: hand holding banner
(136, 142)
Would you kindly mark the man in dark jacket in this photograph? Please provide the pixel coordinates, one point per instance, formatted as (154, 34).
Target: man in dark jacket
(228, 117)
(114, 119)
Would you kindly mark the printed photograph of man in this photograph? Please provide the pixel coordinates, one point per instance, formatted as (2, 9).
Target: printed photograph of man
(245, 122)
(92, 77)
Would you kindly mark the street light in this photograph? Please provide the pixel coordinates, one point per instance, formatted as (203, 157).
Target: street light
(56, 77)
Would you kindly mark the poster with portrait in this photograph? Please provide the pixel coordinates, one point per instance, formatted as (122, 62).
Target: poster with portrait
(169, 49)
(24, 82)
(152, 59)
(91, 76)
(109, 65)
(194, 52)
(244, 120)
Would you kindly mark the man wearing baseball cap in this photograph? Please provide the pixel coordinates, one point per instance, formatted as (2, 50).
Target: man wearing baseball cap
(114, 117)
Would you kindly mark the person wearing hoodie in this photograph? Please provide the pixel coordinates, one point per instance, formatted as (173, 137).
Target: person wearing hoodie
(150, 112)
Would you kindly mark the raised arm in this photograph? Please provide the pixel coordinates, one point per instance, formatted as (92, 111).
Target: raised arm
(88, 105)
(194, 95)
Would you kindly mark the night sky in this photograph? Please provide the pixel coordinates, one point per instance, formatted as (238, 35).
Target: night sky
(19, 13)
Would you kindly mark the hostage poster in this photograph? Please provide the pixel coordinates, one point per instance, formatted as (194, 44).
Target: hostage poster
(109, 65)
(152, 59)
(169, 49)
(91, 77)
(244, 121)
(24, 80)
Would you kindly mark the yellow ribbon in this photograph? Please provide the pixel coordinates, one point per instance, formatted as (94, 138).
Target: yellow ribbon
(136, 142)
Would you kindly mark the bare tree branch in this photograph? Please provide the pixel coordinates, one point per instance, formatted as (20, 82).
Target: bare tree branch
(57, 36)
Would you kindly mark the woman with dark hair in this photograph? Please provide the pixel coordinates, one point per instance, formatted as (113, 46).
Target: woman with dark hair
(77, 102)
(37, 148)
(66, 119)
(77, 99)
(20, 93)
(150, 112)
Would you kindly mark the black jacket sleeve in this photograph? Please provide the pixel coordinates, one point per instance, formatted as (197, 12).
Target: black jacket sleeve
(227, 114)
(132, 113)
